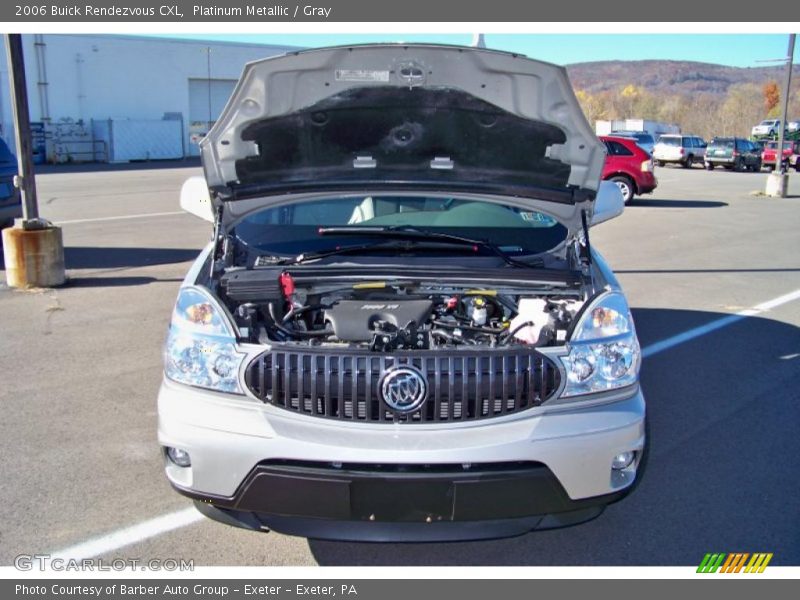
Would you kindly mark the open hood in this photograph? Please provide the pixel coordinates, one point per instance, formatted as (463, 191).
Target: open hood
(409, 117)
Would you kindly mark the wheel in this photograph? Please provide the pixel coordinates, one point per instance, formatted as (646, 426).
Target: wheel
(625, 186)
(686, 164)
(770, 168)
(660, 163)
(709, 166)
(797, 166)
(737, 165)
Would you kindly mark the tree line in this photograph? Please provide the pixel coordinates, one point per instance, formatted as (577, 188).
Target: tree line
(705, 114)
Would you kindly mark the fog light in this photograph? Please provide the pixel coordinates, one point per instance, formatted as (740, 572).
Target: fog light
(623, 460)
(179, 457)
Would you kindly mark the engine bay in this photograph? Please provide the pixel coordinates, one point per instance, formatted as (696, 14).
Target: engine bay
(398, 313)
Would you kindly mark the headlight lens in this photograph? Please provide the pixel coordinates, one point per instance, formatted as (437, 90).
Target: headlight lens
(201, 347)
(603, 353)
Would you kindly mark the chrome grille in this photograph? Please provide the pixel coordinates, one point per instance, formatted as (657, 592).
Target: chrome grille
(463, 385)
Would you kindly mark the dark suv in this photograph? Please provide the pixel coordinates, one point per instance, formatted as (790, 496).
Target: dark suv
(733, 153)
(10, 202)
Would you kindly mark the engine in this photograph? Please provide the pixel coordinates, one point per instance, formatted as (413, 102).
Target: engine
(385, 317)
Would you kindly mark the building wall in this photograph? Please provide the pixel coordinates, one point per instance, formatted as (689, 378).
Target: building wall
(105, 76)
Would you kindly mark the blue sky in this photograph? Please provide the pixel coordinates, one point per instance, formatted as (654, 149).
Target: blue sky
(741, 50)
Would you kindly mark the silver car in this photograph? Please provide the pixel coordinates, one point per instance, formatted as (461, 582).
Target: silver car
(400, 329)
(685, 150)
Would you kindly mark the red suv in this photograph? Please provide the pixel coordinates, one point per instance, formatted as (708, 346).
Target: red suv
(791, 151)
(630, 167)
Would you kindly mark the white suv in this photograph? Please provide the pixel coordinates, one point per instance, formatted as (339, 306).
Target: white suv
(767, 127)
(684, 150)
(400, 330)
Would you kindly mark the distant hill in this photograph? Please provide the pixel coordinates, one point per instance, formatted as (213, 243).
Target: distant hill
(669, 76)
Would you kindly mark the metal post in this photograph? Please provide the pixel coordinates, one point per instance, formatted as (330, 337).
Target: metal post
(787, 82)
(25, 180)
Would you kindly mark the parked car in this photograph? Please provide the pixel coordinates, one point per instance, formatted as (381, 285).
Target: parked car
(644, 140)
(766, 127)
(629, 166)
(684, 150)
(400, 330)
(733, 153)
(10, 199)
(791, 150)
(793, 126)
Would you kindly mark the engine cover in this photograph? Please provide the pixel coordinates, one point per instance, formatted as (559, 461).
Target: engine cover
(359, 320)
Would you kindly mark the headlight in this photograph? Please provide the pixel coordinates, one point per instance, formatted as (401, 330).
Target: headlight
(201, 347)
(603, 352)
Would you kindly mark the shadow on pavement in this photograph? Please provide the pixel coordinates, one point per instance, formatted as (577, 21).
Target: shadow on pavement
(723, 411)
(102, 282)
(87, 257)
(664, 203)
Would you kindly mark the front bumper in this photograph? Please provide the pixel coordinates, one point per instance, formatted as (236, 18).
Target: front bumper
(257, 466)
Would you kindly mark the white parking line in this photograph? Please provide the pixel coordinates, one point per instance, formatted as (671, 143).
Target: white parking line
(701, 330)
(131, 535)
(188, 516)
(120, 217)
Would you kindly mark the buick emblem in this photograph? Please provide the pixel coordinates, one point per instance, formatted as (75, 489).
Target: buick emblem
(403, 389)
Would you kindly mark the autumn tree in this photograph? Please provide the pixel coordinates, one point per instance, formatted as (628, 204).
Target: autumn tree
(772, 96)
(594, 106)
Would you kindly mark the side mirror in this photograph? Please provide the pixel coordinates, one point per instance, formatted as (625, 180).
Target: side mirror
(608, 203)
(195, 198)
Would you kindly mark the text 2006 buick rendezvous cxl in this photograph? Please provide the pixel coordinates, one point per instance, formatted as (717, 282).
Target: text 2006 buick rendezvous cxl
(400, 330)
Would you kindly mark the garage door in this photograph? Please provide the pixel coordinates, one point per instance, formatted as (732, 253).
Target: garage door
(207, 98)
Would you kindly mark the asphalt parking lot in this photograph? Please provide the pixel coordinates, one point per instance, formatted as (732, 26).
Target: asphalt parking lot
(81, 367)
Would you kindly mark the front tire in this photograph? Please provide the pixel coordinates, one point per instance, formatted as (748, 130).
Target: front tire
(687, 164)
(660, 163)
(625, 186)
(709, 166)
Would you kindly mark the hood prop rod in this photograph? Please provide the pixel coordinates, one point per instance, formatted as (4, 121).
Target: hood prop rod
(588, 245)
(216, 237)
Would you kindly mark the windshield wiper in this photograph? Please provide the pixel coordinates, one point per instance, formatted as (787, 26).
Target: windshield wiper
(404, 232)
(406, 246)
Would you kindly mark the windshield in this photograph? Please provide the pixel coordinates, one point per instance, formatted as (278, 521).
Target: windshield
(292, 229)
(773, 145)
(722, 143)
(644, 138)
(670, 141)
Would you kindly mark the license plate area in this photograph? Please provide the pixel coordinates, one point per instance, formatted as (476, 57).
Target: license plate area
(404, 501)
